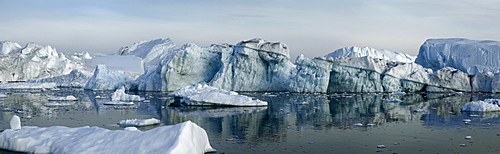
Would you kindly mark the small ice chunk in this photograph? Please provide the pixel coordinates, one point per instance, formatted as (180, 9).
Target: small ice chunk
(118, 103)
(419, 110)
(357, 124)
(15, 122)
(131, 129)
(67, 98)
(381, 146)
(139, 122)
(466, 120)
(468, 137)
(3, 96)
(393, 100)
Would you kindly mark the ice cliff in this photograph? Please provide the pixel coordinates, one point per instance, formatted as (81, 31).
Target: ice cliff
(443, 65)
(469, 56)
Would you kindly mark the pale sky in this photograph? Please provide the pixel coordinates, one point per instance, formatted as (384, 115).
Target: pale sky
(313, 28)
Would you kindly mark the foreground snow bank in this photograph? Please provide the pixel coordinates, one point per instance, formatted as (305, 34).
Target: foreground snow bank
(482, 106)
(185, 137)
(206, 95)
(139, 122)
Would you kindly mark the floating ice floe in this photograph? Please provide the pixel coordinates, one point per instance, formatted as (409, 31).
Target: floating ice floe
(3, 96)
(200, 94)
(28, 86)
(139, 122)
(118, 103)
(186, 137)
(482, 106)
(393, 100)
(120, 95)
(54, 104)
(67, 98)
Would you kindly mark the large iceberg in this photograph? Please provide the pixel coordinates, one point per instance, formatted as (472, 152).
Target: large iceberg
(185, 137)
(104, 79)
(33, 62)
(469, 56)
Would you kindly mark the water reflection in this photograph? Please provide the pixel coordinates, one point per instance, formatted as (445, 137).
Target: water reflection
(254, 126)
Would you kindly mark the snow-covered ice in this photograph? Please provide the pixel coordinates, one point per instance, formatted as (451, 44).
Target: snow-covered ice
(186, 137)
(482, 106)
(139, 122)
(3, 95)
(201, 94)
(64, 98)
(120, 95)
(355, 52)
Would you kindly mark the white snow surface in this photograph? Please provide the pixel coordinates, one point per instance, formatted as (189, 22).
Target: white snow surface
(186, 137)
(202, 94)
(64, 98)
(355, 52)
(469, 56)
(482, 106)
(139, 122)
(120, 95)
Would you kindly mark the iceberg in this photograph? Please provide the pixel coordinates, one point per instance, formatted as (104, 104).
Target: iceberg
(468, 56)
(33, 62)
(104, 79)
(120, 95)
(75, 79)
(201, 94)
(186, 137)
(355, 52)
(449, 80)
(482, 106)
(139, 122)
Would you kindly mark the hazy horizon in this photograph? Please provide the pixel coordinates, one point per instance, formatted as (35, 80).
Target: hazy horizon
(313, 28)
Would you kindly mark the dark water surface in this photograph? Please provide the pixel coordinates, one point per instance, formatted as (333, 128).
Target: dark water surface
(292, 123)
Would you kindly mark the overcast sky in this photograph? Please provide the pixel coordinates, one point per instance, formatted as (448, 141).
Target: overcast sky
(313, 28)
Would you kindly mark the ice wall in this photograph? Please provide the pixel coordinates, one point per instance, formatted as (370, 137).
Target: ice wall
(469, 56)
(255, 65)
(104, 79)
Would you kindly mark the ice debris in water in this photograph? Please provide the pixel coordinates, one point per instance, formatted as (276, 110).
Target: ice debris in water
(139, 122)
(67, 98)
(468, 137)
(482, 106)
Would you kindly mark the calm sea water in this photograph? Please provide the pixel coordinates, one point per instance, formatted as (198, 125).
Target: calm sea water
(292, 123)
